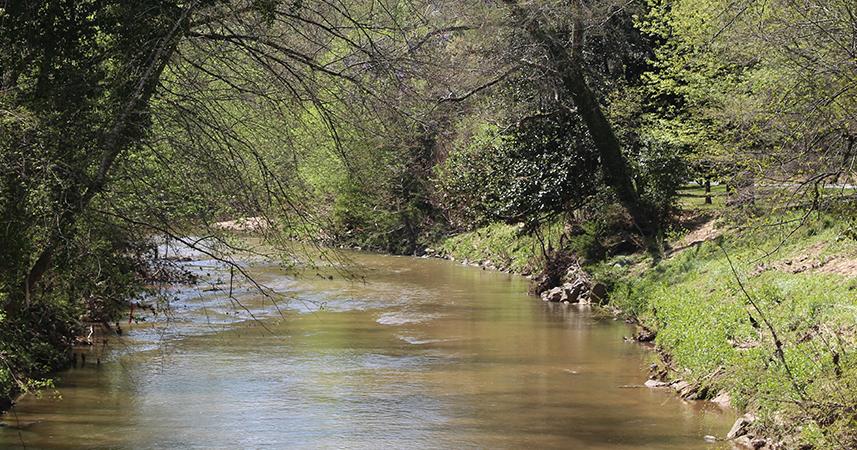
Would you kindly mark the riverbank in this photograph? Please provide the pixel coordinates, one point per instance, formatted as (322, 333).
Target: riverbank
(759, 312)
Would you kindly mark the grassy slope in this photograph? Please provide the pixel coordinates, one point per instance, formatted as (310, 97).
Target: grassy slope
(504, 245)
(703, 318)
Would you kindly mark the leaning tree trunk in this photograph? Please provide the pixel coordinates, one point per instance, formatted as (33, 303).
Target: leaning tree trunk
(616, 170)
(569, 65)
(119, 138)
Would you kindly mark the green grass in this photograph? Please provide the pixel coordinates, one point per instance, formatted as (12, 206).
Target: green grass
(700, 312)
(711, 332)
(506, 246)
(718, 199)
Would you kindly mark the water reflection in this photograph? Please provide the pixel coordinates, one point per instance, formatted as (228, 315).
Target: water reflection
(425, 353)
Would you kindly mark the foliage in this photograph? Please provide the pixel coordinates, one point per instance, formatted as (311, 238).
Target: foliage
(540, 168)
(71, 100)
(754, 87)
(662, 169)
(123, 119)
(543, 132)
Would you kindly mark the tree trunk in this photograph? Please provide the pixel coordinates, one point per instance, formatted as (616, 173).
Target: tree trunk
(568, 63)
(119, 138)
(617, 172)
(707, 190)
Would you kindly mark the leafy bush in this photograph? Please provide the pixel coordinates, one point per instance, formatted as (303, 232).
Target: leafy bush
(385, 204)
(662, 170)
(542, 167)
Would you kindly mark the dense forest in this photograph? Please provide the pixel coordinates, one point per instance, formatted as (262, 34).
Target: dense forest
(531, 133)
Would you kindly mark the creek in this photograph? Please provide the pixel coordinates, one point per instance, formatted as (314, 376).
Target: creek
(418, 353)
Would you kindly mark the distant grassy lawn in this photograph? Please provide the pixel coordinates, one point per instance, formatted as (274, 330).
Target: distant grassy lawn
(691, 196)
(696, 202)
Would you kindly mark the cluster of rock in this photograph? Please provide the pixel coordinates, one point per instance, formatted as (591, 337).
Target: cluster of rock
(577, 287)
(741, 434)
(688, 391)
(485, 264)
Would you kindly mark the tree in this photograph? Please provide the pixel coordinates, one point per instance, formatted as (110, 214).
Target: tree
(765, 91)
(83, 79)
(123, 120)
(76, 86)
(563, 47)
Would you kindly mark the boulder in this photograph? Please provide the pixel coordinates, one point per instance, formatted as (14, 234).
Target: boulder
(574, 292)
(571, 275)
(685, 390)
(743, 442)
(748, 442)
(556, 294)
(645, 335)
(741, 426)
(723, 399)
(758, 443)
(598, 293)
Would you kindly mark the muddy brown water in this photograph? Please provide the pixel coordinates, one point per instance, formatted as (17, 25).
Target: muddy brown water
(421, 354)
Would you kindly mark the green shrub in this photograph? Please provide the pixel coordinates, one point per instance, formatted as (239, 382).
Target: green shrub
(537, 170)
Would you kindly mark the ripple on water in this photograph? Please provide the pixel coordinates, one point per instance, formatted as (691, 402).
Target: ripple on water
(404, 318)
(417, 341)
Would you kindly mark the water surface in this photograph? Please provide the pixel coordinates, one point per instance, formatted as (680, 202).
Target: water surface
(422, 354)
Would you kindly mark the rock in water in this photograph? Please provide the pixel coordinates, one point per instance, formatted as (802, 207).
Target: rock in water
(556, 294)
(685, 390)
(574, 291)
(598, 293)
(723, 399)
(741, 426)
